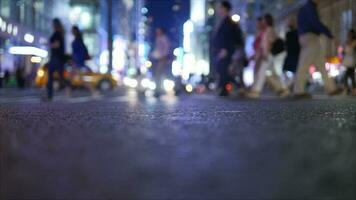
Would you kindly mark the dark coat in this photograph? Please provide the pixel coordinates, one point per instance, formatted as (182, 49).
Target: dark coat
(309, 21)
(293, 51)
(228, 36)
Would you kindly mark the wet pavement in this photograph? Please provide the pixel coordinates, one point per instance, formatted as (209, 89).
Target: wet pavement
(191, 147)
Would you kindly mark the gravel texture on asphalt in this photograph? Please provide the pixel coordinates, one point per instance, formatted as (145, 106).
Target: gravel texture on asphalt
(197, 147)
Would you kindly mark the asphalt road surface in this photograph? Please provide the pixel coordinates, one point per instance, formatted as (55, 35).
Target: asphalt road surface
(191, 147)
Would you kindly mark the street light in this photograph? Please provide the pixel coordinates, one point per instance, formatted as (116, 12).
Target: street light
(236, 18)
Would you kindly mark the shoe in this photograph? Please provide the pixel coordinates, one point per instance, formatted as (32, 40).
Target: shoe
(241, 92)
(157, 95)
(302, 96)
(253, 95)
(345, 92)
(224, 93)
(336, 92)
(283, 93)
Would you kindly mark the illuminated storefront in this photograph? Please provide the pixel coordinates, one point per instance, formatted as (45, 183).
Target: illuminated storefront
(85, 14)
(23, 35)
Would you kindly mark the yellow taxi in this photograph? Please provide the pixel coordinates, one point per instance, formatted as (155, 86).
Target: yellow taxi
(87, 78)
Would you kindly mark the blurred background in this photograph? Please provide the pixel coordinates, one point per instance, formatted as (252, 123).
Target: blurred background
(25, 26)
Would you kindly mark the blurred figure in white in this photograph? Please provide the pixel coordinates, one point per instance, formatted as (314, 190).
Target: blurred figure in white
(271, 64)
(257, 57)
(161, 54)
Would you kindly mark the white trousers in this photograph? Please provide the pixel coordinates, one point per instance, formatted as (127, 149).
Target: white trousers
(270, 70)
(312, 53)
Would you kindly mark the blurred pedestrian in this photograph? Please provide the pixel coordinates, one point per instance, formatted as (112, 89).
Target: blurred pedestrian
(239, 60)
(20, 77)
(80, 52)
(80, 55)
(310, 30)
(57, 57)
(293, 51)
(350, 61)
(257, 44)
(7, 77)
(162, 55)
(224, 44)
(271, 62)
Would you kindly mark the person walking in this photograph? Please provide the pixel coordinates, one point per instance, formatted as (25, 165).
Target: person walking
(80, 52)
(57, 57)
(350, 62)
(225, 41)
(161, 53)
(257, 57)
(310, 30)
(293, 51)
(80, 55)
(270, 62)
(239, 60)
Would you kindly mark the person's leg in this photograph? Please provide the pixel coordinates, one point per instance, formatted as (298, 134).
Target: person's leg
(261, 75)
(305, 61)
(241, 77)
(348, 75)
(223, 69)
(276, 73)
(158, 76)
(51, 71)
(352, 77)
(64, 83)
(256, 69)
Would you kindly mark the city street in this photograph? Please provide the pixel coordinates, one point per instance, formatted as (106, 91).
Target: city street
(123, 146)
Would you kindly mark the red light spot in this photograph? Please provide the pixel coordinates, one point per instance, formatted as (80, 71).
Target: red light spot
(312, 69)
(228, 87)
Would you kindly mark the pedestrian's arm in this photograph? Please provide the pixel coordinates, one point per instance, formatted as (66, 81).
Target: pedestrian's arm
(55, 44)
(317, 24)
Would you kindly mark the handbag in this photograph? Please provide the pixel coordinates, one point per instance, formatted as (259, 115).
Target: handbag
(278, 46)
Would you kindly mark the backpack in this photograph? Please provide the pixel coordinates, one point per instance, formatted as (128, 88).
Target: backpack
(278, 46)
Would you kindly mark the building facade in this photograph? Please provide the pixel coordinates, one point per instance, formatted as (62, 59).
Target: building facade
(86, 15)
(25, 26)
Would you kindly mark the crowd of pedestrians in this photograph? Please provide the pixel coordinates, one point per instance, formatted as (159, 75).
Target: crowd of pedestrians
(282, 64)
(58, 57)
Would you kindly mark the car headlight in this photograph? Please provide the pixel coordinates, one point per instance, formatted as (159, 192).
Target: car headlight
(145, 83)
(130, 82)
(40, 73)
(168, 85)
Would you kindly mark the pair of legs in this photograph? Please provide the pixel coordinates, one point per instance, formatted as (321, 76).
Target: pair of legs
(350, 75)
(312, 53)
(223, 71)
(159, 72)
(237, 71)
(270, 70)
(55, 64)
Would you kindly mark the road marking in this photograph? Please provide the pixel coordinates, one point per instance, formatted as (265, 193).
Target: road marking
(231, 111)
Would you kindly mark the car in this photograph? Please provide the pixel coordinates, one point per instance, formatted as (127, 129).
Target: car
(79, 79)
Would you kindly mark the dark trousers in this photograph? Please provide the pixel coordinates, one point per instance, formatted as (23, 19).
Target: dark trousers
(223, 71)
(350, 75)
(55, 64)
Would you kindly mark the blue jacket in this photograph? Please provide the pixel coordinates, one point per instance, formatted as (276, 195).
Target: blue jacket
(80, 52)
(309, 21)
